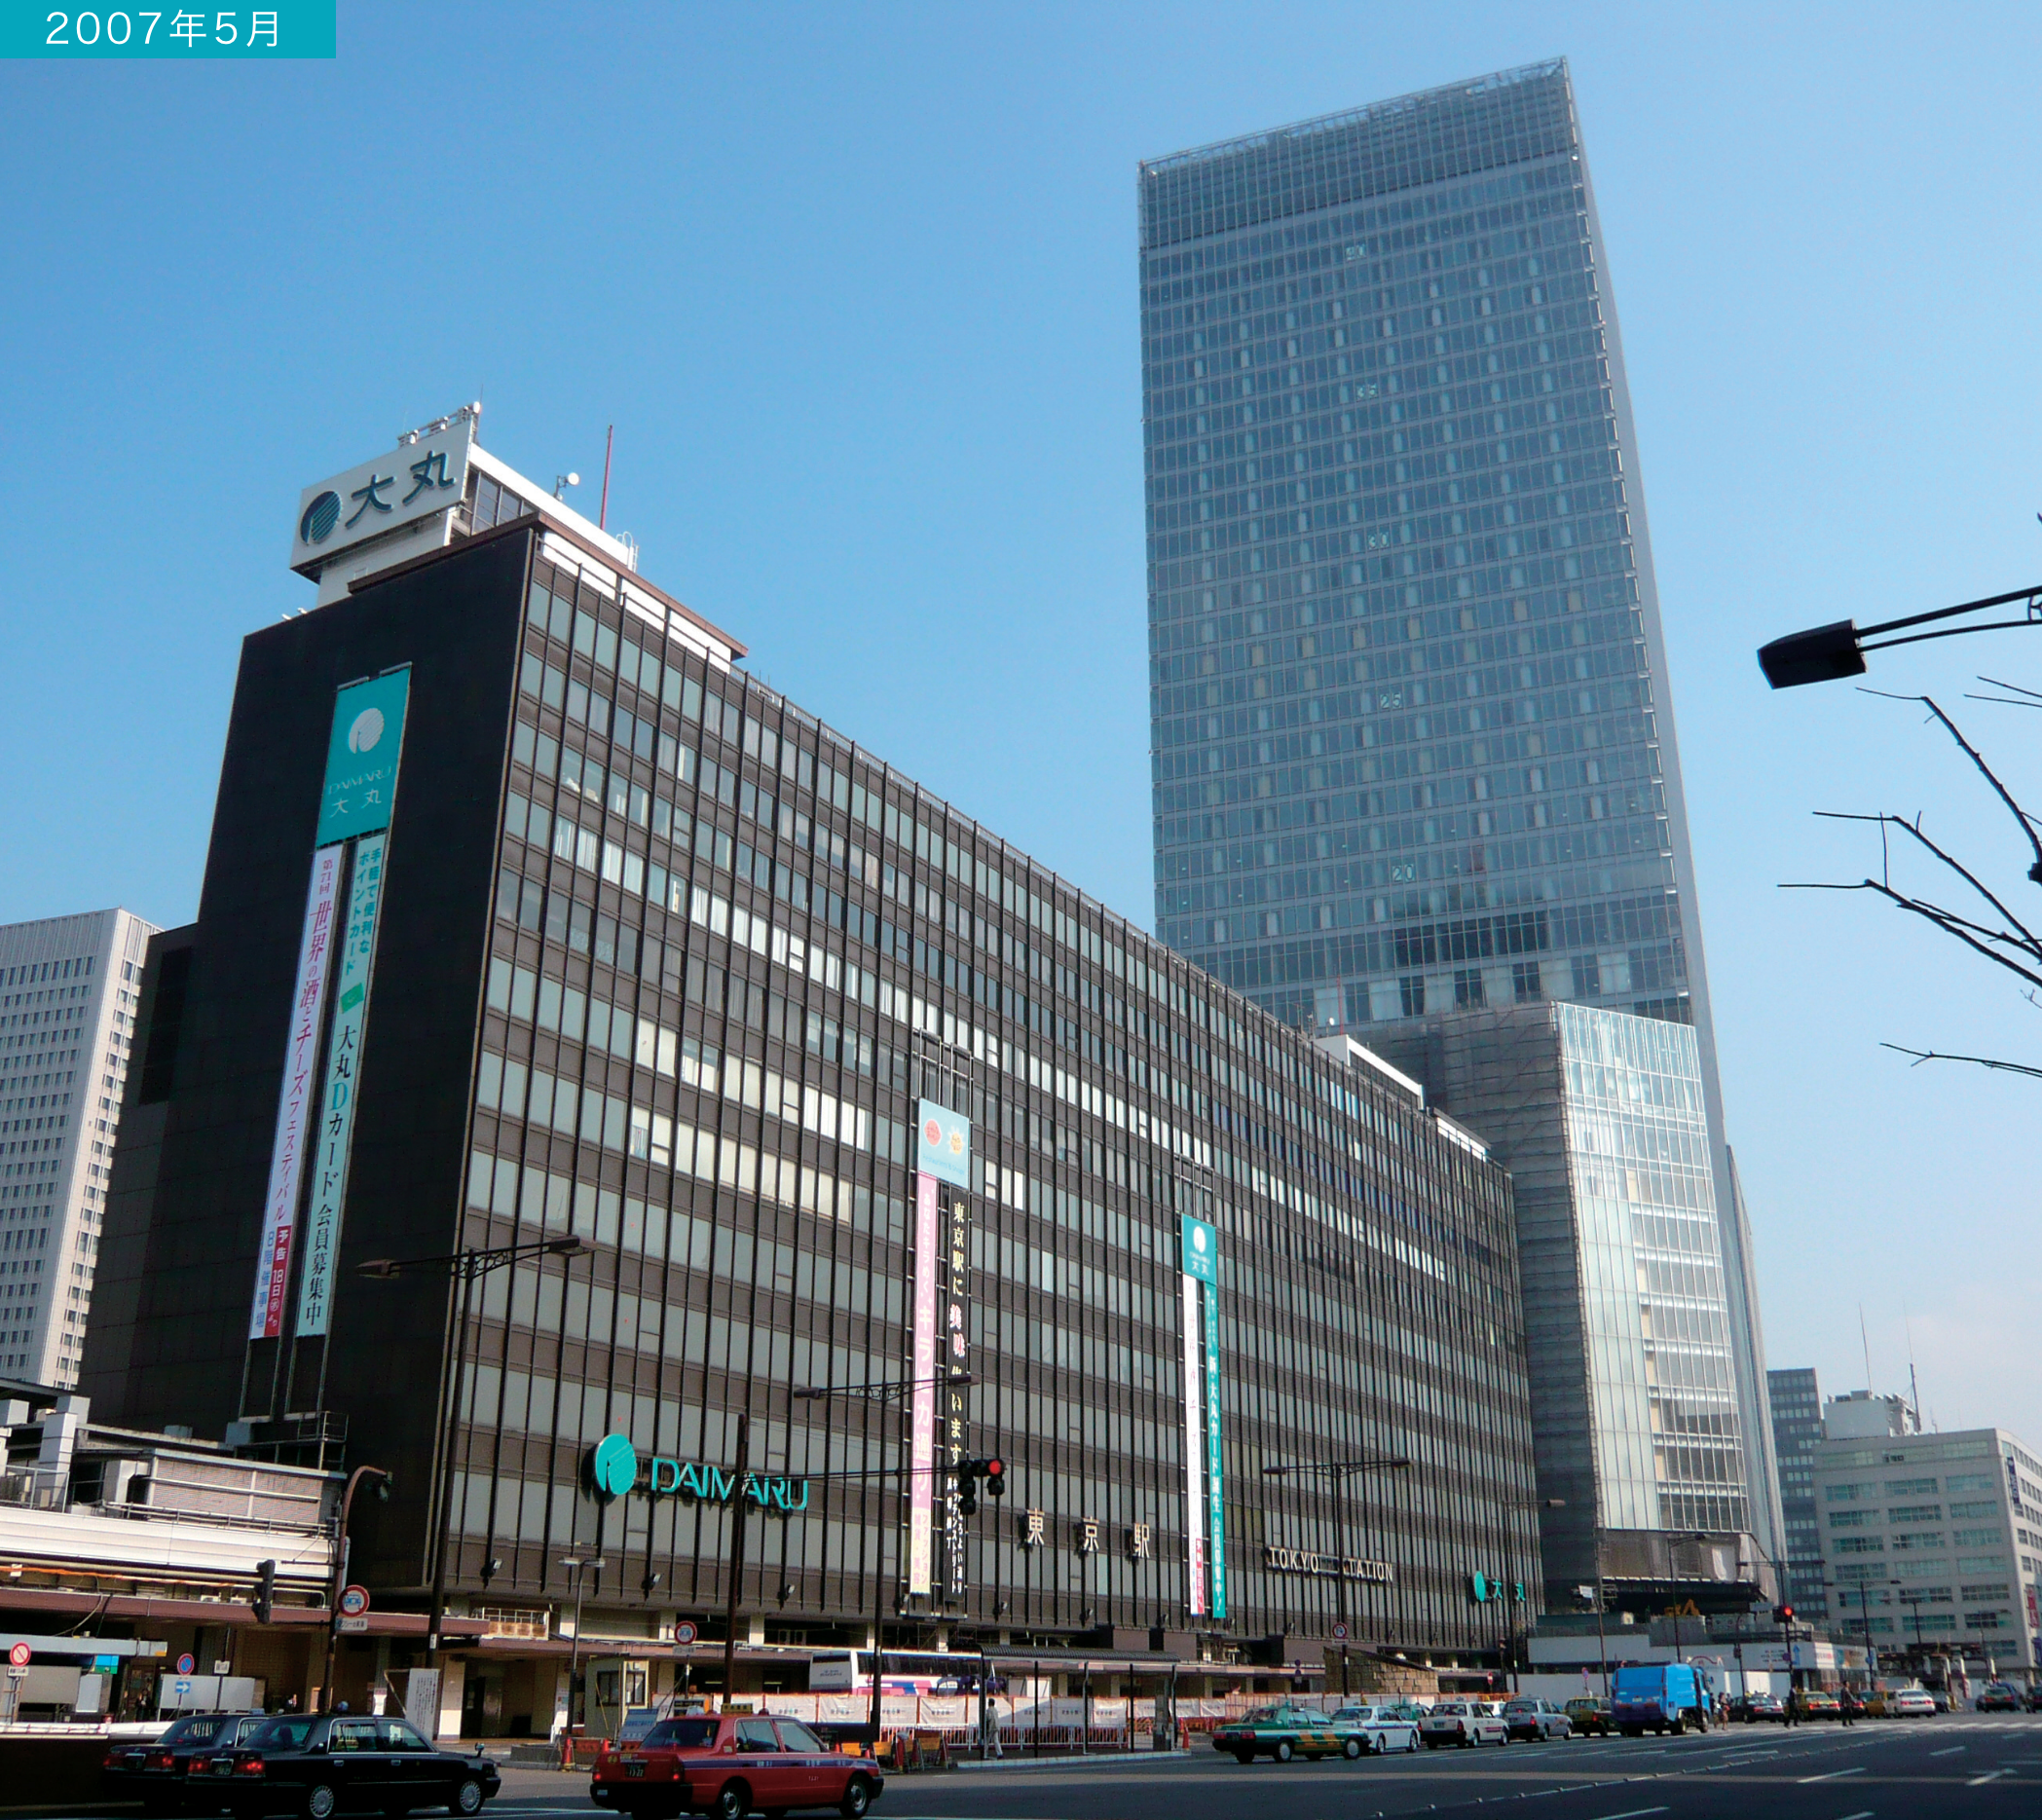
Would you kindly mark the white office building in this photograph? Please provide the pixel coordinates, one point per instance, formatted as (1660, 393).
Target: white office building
(1931, 1543)
(67, 1000)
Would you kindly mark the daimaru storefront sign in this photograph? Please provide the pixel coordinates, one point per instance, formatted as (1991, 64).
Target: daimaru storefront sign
(613, 1468)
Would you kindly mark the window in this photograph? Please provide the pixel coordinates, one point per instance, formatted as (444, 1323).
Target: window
(1914, 1513)
(795, 1736)
(352, 1734)
(756, 1734)
(1910, 1487)
(1524, 981)
(393, 1734)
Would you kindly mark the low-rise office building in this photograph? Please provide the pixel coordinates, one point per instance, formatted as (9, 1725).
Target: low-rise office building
(531, 920)
(1931, 1543)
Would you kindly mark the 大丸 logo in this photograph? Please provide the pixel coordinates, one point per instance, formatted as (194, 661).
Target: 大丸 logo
(1199, 1240)
(320, 516)
(613, 1466)
(366, 730)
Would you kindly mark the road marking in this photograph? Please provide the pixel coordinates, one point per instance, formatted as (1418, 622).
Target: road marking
(1991, 1775)
(1865, 1815)
(1633, 1813)
(1856, 1770)
(1953, 1750)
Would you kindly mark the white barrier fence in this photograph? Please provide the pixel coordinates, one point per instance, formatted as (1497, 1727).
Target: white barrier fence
(1060, 1721)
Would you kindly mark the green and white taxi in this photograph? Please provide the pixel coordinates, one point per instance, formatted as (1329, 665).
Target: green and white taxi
(1281, 1731)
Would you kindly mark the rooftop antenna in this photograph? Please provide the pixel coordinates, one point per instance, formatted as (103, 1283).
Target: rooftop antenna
(608, 442)
(1913, 1382)
(1865, 1339)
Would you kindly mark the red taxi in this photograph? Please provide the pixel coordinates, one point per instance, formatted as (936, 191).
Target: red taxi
(730, 1767)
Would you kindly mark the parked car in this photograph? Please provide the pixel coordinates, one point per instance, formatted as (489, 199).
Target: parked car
(318, 1767)
(156, 1773)
(1910, 1703)
(1535, 1720)
(730, 1765)
(1997, 1696)
(1589, 1716)
(1762, 1709)
(1372, 1730)
(1816, 1703)
(1465, 1723)
(1280, 1732)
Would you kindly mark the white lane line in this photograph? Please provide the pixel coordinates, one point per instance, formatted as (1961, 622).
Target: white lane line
(1862, 1814)
(1633, 1813)
(1953, 1750)
(1835, 1775)
(1991, 1775)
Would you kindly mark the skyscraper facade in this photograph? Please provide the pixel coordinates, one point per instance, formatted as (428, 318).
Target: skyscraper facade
(1796, 1433)
(1412, 737)
(67, 1003)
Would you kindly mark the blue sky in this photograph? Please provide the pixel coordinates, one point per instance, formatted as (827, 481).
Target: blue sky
(858, 290)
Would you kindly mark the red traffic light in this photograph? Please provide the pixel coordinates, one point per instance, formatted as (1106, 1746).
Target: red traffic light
(995, 1478)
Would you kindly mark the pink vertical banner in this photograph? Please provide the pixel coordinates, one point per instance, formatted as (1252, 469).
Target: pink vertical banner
(280, 1213)
(921, 1475)
(1194, 1449)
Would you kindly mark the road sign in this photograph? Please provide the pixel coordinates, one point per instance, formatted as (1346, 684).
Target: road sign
(183, 1687)
(18, 1655)
(1339, 1633)
(353, 1601)
(186, 1663)
(682, 1633)
(351, 1626)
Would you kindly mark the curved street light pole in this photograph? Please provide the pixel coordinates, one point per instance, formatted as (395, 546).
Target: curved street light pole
(1336, 1472)
(1828, 653)
(380, 1481)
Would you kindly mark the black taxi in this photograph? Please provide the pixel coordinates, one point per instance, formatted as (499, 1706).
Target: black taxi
(341, 1764)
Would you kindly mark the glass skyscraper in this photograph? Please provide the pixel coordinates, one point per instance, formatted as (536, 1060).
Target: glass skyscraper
(1413, 740)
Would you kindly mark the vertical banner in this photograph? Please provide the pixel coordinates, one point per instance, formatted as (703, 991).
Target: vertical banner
(921, 1439)
(279, 1211)
(955, 1355)
(335, 1138)
(355, 796)
(1194, 1387)
(1204, 1503)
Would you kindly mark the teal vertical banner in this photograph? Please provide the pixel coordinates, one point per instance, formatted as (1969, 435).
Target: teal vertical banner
(292, 28)
(361, 756)
(1216, 1523)
(335, 1140)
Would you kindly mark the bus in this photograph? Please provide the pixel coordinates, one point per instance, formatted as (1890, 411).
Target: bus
(905, 1671)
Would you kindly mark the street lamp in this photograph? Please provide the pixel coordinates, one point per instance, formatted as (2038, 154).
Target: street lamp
(580, 1566)
(378, 1483)
(1827, 654)
(1336, 1474)
(888, 1392)
(1523, 1504)
(468, 1264)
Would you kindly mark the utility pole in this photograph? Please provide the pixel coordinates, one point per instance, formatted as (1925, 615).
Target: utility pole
(737, 1559)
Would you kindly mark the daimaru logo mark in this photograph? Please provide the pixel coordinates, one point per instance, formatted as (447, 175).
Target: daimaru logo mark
(319, 518)
(613, 1468)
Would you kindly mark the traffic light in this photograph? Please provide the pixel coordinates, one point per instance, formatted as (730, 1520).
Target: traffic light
(265, 1590)
(995, 1478)
(968, 1487)
(1783, 1613)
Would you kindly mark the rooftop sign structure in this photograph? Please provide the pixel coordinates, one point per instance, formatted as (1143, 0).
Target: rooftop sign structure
(424, 475)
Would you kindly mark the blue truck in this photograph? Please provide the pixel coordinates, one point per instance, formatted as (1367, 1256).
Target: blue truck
(1667, 1696)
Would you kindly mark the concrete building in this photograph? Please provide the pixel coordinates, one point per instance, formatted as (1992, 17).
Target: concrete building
(1797, 1431)
(1412, 720)
(1637, 1419)
(67, 1003)
(1931, 1543)
(758, 1069)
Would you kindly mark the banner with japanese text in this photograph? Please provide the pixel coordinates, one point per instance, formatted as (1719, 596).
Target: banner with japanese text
(921, 1434)
(280, 1213)
(335, 1138)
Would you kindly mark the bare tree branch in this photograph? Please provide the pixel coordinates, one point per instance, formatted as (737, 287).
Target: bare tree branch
(1983, 1062)
(1913, 831)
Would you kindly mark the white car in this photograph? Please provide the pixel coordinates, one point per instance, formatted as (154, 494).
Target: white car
(1465, 1723)
(1911, 1703)
(1372, 1730)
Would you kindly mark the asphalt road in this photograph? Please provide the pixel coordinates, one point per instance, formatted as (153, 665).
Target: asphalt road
(1957, 1766)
